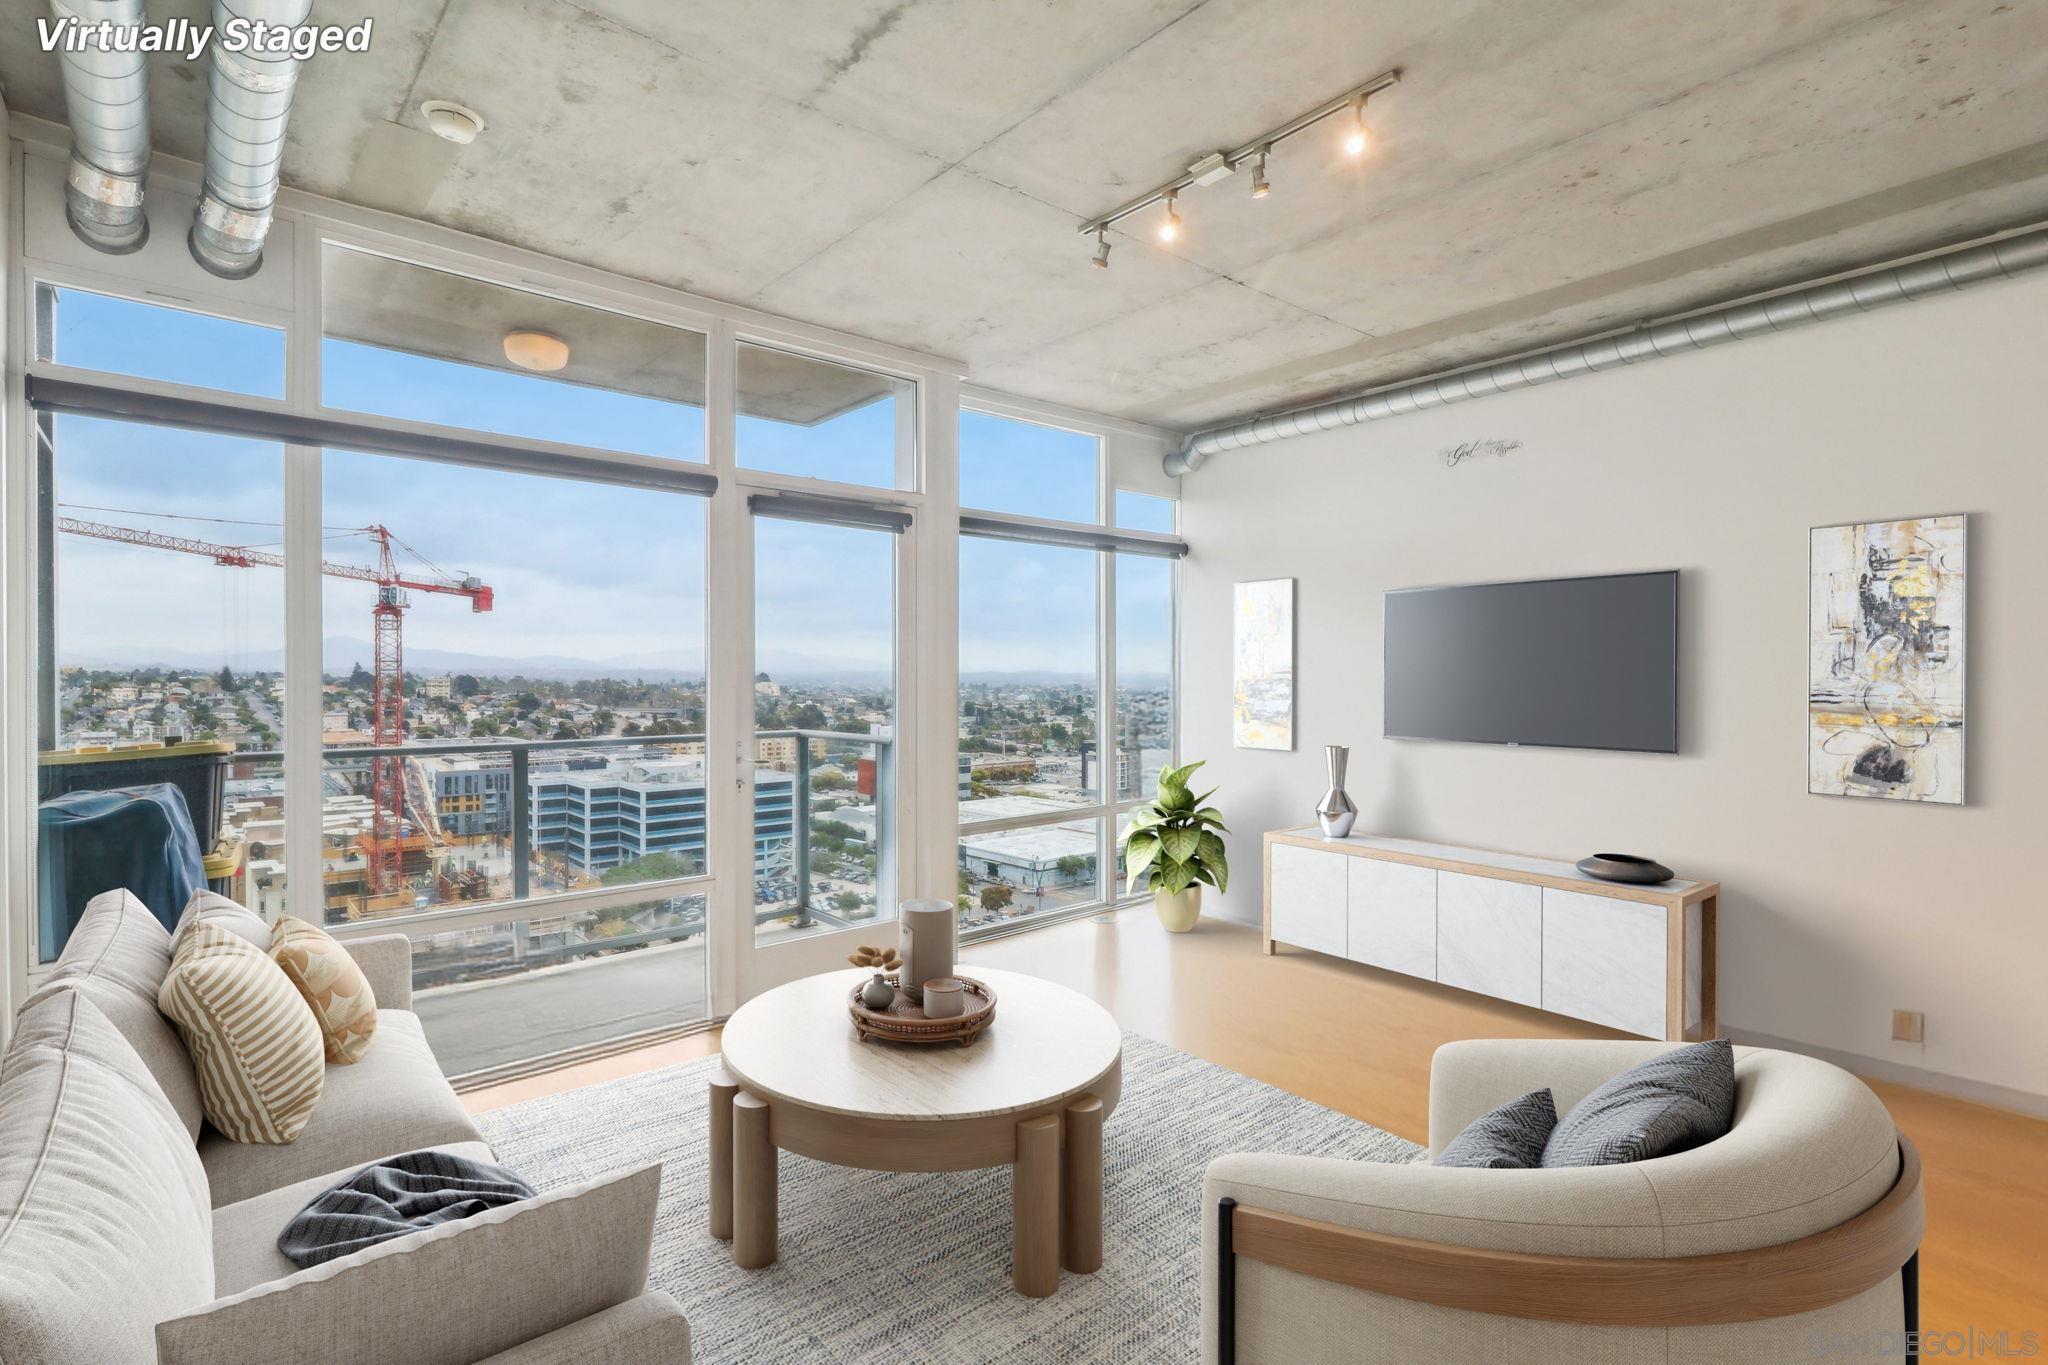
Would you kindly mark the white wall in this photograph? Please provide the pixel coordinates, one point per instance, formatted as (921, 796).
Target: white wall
(8, 365)
(1835, 910)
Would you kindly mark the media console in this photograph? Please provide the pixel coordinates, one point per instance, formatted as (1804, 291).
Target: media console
(1530, 930)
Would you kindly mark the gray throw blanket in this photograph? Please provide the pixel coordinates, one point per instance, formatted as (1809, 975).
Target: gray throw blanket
(398, 1195)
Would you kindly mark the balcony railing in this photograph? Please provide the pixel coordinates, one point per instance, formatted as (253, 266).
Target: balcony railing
(569, 809)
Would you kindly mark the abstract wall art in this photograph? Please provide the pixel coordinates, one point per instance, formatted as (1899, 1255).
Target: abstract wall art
(1885, 652)
(1262, 678)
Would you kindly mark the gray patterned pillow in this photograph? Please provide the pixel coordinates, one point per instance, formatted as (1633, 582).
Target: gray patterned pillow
(1677, 1100)
(1509, 1138)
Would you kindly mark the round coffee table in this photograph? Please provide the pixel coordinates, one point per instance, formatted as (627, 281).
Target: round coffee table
(1030, 1093)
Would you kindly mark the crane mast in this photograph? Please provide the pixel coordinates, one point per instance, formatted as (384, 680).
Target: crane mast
(384, 849)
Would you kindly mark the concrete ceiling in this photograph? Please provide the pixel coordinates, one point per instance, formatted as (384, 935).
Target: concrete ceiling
(914, 170)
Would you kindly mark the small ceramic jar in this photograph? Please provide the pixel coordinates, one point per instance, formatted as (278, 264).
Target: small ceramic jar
(944, 998)
(878, 994)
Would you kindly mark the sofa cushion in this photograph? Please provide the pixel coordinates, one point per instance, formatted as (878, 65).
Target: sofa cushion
(1508, 1138)
(251, 1034)
(208, 907)
(117, 957)
(450, 1295)
(394, 1100)
(245, 1234)
(333, 985)
(105, 1224)
(1673, 1102)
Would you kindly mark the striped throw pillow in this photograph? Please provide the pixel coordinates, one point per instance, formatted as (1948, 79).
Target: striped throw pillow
(254, 1041)
(332, 983)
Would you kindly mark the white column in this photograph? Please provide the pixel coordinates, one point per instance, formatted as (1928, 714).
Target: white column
(728, 685)
(931, 816)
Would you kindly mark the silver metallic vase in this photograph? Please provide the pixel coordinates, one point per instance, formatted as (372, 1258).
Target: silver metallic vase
(1335, 811)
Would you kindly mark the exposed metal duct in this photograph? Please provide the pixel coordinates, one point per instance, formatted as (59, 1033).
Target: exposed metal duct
(1780, 312)
(249, 100)
(106, 96)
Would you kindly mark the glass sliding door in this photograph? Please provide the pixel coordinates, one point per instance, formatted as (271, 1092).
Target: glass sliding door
(824, 749)
(519, 724)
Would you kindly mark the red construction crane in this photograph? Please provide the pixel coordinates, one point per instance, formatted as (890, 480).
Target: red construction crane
(384, 850)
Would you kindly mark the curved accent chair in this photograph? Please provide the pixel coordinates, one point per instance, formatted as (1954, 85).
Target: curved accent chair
(1794, 1236)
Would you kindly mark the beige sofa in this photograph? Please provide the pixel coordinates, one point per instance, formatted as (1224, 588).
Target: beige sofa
(1792, 1237)
(131, 1232)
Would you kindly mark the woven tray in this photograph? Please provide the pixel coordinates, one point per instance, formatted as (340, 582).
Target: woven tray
(904, 1021)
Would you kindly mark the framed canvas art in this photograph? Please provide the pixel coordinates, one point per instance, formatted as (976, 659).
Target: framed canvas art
(1262, 679)
(1886, 647)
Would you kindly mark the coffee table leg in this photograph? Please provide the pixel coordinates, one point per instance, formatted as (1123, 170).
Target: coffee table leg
(718, 1112)
(753, 1184)
(1081, 1187)
(1035, 1208)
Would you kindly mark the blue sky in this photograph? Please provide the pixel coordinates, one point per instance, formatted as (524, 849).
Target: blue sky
(609, 576)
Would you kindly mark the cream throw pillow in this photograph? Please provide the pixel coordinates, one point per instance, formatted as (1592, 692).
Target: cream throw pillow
(254, 1041)
(331, 982)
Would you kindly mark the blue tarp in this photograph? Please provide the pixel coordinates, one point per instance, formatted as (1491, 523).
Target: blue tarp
(140, 838)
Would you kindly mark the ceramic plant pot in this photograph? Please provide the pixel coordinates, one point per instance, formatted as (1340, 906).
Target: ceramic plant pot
(1178, 912)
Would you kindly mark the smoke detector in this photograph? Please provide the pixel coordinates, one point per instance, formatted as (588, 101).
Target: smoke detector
(452, 122)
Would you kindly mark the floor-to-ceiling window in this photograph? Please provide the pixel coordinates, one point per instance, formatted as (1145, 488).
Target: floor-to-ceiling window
(512, 662)
(1066, 668)
(567, 626)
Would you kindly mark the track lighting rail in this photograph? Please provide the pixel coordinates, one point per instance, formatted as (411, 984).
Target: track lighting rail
(1352, 98)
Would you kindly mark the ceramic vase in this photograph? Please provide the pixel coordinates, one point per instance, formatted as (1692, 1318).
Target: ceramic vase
(929, 933)
(1178, 911)
(878, 994)
(1335, 812)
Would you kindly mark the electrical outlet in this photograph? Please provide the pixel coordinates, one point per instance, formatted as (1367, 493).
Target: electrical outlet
(1909, 1026)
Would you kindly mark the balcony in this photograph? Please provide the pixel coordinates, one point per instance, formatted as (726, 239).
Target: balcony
(566, 924)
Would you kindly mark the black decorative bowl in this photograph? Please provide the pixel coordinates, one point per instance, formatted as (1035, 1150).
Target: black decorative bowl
(1625, 867)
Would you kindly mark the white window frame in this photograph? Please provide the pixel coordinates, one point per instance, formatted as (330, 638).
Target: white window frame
(1118, 446)
(927, 643)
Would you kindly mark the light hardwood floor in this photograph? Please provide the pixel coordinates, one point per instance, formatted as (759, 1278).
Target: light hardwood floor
(1359, 1041)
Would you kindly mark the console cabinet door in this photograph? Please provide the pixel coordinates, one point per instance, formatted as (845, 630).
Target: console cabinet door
(1393, 916)
(1308, 898)
(1489, 936)
(1604, 960)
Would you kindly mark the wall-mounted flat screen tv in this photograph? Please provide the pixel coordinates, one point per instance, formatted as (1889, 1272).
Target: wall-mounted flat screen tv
(1576, 663)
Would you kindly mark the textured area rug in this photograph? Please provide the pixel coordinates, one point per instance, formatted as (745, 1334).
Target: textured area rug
(916, 1268)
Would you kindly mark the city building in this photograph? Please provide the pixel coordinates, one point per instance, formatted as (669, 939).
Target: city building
(440, 687)
(596, 820)
(472, 793)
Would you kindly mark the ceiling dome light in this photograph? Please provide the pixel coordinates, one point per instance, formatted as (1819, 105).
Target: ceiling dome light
(1260, 189)
(1355, 141)
(452, 122)
(542, 351)
(1101, 261)
(1170, 229)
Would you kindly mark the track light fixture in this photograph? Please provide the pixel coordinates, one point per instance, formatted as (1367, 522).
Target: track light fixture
(1222, 165)
(1355, 140)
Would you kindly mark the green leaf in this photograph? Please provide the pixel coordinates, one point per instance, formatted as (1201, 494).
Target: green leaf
(1173, 879)
(1215, 857)
(1138, 856)
(1181, 844)
(1209, 815)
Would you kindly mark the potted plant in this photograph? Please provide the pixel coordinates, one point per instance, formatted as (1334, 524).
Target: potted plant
(1176, 843)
